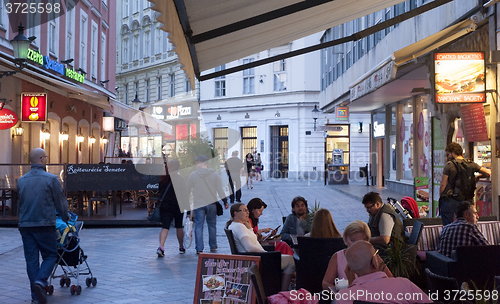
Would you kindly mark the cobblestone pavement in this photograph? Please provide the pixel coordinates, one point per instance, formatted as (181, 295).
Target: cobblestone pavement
(124, 260)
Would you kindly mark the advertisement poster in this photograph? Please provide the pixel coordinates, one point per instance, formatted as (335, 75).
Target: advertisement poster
(483, 198)
(474, 122)
(422, 194)
(460, 77)
(438, 162)
(224, 279)
(33, 107)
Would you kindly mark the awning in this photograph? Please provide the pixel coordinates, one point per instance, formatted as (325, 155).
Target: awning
(136, 117)
(394, 78)
(209, 33)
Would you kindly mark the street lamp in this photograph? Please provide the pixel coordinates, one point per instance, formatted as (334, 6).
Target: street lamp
(136, 102)
(20, 46)
(315, 115)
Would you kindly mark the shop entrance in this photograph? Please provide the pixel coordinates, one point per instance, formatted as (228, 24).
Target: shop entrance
(279, 152)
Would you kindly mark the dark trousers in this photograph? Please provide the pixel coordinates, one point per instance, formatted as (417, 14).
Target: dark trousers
(237, 183)
(447, 209)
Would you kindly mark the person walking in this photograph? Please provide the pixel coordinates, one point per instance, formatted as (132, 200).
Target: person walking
(249, 160)
(206, 185)
(40, 195)
(452, 190)
(234, 165)
(258, 167)
(173, 191)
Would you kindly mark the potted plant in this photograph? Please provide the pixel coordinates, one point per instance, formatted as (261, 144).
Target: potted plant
(401, 258)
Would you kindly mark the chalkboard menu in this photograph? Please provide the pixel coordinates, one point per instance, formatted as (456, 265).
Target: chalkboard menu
(224, 279)
(105, 177)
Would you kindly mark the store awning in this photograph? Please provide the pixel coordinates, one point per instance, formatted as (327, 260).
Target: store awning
(394, 78)
(209, 33)
(136, 117)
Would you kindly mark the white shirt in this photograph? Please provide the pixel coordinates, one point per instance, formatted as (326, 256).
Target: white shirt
(245, 238)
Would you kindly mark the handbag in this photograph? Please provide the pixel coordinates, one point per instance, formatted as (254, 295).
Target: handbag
(188, 231)
(220, 210)
(155, 216)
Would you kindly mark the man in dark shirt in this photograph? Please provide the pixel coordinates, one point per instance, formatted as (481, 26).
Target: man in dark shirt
(448, 203)
(462, 232)
(233, 169)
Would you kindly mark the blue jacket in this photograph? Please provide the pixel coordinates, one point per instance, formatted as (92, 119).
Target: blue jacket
(290, 227)
(40, 195)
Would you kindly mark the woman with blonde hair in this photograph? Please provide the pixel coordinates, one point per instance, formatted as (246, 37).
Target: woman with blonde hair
(355, 231)
(323, 225)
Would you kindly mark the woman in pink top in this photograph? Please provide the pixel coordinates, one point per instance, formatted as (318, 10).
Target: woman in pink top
(355, 231)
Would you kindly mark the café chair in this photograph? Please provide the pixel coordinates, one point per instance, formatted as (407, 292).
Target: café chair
(415, 233)
(438, 283)
(258, 285)
(96, 199)
(314, 256)
(153, 200)
(270, 262)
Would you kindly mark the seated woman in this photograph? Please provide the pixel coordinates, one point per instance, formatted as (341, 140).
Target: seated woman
(323, 225)
(355, 231)
(255, 207)
(296, 223)
(246, 241)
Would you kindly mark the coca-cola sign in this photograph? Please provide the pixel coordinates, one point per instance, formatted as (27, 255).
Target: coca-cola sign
(8, 119)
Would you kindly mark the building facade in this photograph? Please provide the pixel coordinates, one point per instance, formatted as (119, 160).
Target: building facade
(391, 74)
(69, 70)
(270, 108)
(148, 71)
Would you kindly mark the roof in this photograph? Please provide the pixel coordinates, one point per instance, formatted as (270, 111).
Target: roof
(209, 33)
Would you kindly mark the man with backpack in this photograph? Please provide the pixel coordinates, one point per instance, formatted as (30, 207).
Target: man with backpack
(458, 182)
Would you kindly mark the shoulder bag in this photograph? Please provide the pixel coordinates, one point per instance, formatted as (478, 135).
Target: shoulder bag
(155, 216)
(220, 209)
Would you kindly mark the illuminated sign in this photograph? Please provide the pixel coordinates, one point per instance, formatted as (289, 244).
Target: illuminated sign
(341, 113)
(158, 113)
(460, 77)
(55, 66)
(8, 119)
(33, 107)
(176, 111)
(378, 129)
(108, 124)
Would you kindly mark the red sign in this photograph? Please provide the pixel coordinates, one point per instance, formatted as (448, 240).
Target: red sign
(474, 123)
(8, 119)
(460, 77)
(193, 130)
(33, 107)
(181, 132)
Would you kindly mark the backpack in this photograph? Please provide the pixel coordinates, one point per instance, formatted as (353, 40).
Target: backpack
(465, 181)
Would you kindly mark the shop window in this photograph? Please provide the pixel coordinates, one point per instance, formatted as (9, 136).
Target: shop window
(338, 138)
(406, 139)
(248, 139)
(221, 142)
(392, 140)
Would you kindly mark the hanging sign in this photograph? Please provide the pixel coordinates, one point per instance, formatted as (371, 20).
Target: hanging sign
(8, 119)
(459, 77)
(33, 107)
(474, 123)
(341, 113)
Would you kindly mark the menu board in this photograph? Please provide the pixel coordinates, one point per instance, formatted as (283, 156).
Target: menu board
(224, 279)
(439, 160)
(474, 123)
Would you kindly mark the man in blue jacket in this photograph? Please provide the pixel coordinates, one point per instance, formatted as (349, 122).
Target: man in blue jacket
(40, 195)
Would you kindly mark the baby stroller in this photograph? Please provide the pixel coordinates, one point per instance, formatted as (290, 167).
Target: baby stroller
(401, 211)
(72, 259)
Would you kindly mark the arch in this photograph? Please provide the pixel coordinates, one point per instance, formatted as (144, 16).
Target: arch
(83, 147)
(146, 21)
(69, 147)
(51, 145)
(135, 25)
(125, 29)
(96, 146)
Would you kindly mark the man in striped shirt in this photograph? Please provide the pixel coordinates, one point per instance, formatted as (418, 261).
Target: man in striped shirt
(462, 232)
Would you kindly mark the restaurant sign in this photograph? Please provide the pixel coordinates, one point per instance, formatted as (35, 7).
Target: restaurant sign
(33, 107)
(460, 77)
(8, 119)
(55, 66)
(377, 79)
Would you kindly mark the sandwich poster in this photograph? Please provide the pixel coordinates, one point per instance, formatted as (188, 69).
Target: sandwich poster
(460, 77)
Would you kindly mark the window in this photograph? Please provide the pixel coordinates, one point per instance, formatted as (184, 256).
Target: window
(220, 82)
(147, 91)
(279, 68)
(52, 36)
(136, 6)
(172, 85)
(125, 8)
(147, 43)
(136, 47)
(70, 29)
(136, 86)
(103, 57)
(387, 17)
(221, 142)
(348, 60)
(93, 52)
(158, 88)
(158, 40)
(83, 40)
(169, 45)
(125, 51)
(126, 94)
(187, 84)
(413, 4)
(248, 78)
(248, 140)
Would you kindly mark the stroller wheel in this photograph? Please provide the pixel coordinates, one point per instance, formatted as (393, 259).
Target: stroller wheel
(72, 289)
(50, 289)
(94, 282)
(88, 281)
(62, 281)
(68, 282)
(78, 290)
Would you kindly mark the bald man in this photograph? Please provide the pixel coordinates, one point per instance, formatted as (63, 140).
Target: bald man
(373, 285)
(40, 195)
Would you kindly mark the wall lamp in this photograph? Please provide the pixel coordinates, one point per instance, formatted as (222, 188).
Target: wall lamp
(64, 136)
(80, 138)
(18, 131)
(92, 140)
(104, 140)
(81, 71)
(247, 116)
(67, 61)
(218, 117)
(20, 46)
(104, 81)
(277, 114)
(360, 127)
(45, 134)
